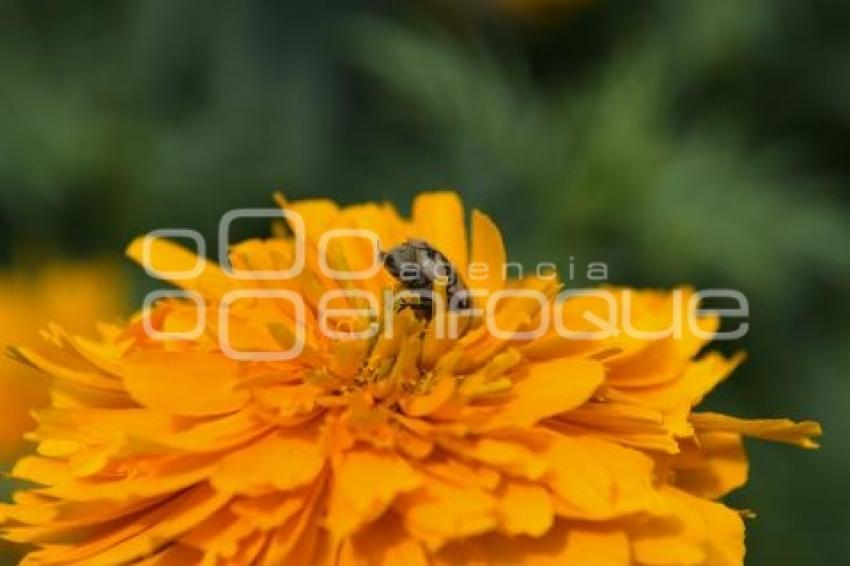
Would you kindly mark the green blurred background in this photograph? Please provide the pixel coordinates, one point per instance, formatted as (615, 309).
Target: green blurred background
(678, 141)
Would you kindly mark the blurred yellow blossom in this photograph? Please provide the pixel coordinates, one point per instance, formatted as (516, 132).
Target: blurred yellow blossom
(71, 294)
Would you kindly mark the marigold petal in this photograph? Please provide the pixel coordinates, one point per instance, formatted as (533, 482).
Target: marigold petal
(38, 518)
(439, 511)
(285, 460)
(696, 380)
(512, 314)
(166, 256)
(778, 430)
(488, 250)
(525, 509)
(365, 484)
(173, 555)
(385, 543)
(140, 536)
(297, 541)
(677, 539)
(549, 388)
(318, 215)
(506, 455)
(713, 465)
(438, 219)
(423, 405)
(170, 381)
(597, 546)
(623, 421)
(67, 367)
(564, 544)
(271, 510)
(154, 476)
(219, 536)
(596, 479)
(725, 532)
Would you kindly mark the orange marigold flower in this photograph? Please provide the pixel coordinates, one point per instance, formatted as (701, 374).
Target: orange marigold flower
(404, 448)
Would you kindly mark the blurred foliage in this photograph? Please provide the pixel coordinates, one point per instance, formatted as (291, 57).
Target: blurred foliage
(686, 141)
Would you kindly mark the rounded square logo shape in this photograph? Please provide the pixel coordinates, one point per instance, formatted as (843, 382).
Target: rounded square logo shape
(201, 317)
(147, 253)
(501, 334)
(325, 313)
(337, 233)
(295, 221)
(258, 356)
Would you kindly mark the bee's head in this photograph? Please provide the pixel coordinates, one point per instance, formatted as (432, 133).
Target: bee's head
(389, 262)
(399, 260)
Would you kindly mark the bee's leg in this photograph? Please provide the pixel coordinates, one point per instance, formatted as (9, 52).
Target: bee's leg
(423, 311)
(422, 306)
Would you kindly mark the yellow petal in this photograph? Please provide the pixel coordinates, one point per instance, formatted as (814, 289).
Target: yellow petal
(548, 389)
(219, 536)
(190, 383)
(513, 314)
(173, 555)
(296, 542)
(67, 367)
(462, 473)
(526, 509)
(657, 360)
(208, 435)
(166, 256)
(596, 479)
(137, 538)
(438, 219)
(425, 404)
(366, 483)
(46, 519)
(678, 539)
(283, 460)
(563, 545)
(318, 215)
(487, 250)
(153, 477)
(725, 544)
(506, 455)
(712, 466)
(597, 546)
(624, 421)
(696, 531)
(271, 510)
(386, 544)
(694, 383)
(380, 219)
(439, 511)
(777, 430)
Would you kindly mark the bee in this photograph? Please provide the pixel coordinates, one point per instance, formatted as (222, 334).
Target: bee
(418, 266)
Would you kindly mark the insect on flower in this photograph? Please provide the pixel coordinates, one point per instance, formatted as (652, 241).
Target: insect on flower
(407, 447)
(418, 266)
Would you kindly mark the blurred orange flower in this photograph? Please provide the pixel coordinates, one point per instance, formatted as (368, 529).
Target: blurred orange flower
(407, 449)
(72, 295)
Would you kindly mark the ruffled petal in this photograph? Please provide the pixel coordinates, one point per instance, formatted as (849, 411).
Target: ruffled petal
(778, 430)
(167, 257)
(365, 484)
(438, 219)
(170, 382)
(548, 389)
(487, 265)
